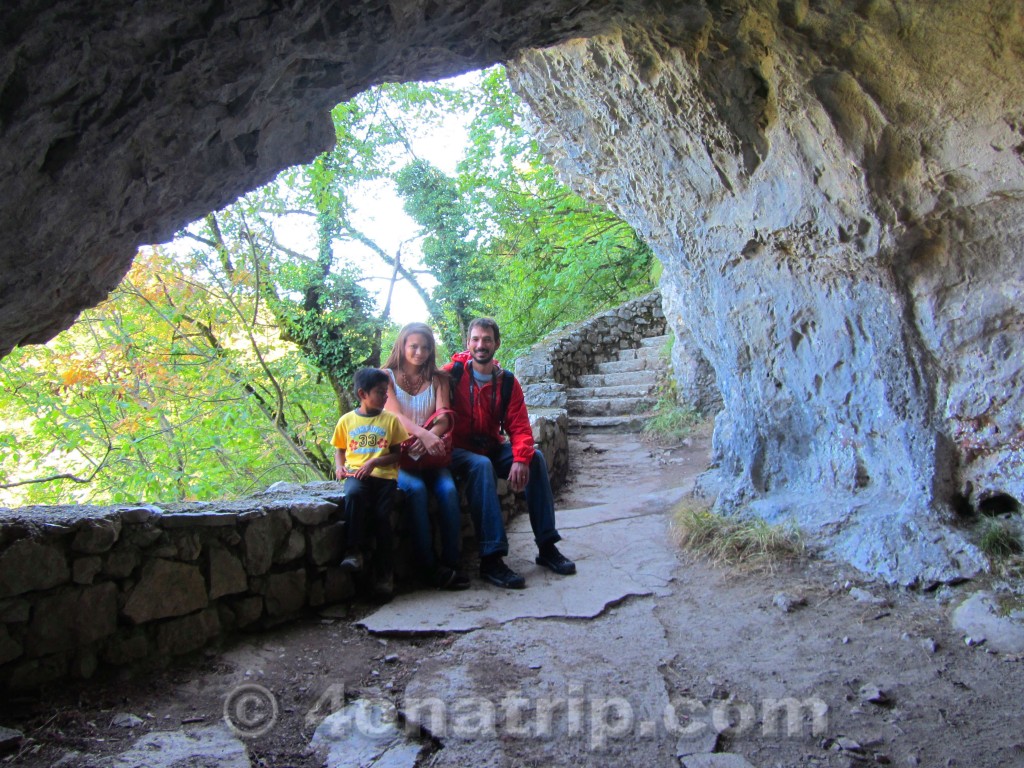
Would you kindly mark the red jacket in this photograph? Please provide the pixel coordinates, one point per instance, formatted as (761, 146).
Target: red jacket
(484, 422)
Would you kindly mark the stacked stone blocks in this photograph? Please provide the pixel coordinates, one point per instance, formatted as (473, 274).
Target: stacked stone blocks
(562, 362)
(559, 360)
(84, 586)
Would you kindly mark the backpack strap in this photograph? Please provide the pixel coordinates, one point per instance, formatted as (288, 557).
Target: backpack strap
(507, 380)
(458, 368)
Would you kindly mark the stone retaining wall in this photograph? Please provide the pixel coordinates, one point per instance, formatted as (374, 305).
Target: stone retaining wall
(551, 435)
(88, 587)
(85, 587)
(554, 363)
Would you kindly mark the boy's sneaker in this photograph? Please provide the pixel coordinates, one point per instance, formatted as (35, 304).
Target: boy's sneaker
(451, 579)
(352, 563)
(551, 558)
(494, 570)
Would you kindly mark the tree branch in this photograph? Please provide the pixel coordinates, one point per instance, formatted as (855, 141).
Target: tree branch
(65, 475)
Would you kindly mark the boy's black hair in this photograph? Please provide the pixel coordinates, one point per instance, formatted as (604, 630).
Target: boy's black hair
(368, 378)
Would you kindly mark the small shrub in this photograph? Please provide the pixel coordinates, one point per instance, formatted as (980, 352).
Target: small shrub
(733, 540)
(998, 540)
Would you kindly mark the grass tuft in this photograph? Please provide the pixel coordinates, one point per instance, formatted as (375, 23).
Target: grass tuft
(671, 423)
(749, 542)
(998, 540)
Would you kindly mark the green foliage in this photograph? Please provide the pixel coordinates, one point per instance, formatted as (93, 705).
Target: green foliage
(330, 317)
(670, 422)
(433, 201)
(134, 403)
(557, 258)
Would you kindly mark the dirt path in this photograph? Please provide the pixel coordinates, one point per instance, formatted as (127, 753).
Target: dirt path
(810, 666)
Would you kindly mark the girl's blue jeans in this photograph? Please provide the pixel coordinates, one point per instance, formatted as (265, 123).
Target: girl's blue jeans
(416, 486)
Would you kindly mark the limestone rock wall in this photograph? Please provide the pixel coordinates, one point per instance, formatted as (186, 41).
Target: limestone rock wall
(836, 191)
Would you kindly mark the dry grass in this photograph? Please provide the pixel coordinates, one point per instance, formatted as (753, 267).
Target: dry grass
(671, 423)
(747, 542)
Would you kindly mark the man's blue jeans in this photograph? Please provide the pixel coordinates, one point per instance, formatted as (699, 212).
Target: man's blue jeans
(416, 486)
(481, 474)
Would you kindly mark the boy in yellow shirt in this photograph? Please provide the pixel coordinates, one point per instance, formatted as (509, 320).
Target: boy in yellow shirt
(368, 446)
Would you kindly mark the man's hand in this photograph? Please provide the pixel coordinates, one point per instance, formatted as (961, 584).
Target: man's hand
(518, 476)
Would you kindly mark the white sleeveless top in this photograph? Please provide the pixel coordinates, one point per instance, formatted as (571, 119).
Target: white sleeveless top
(419, 407)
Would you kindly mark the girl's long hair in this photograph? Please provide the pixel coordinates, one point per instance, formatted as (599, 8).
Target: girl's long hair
(397, 356)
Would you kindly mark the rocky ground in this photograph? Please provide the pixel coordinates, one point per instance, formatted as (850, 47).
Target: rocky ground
(646, 657)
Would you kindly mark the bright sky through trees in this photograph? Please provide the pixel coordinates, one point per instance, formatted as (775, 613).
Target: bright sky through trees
(379, 212)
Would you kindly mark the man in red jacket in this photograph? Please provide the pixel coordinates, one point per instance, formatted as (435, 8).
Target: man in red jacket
(481, 454)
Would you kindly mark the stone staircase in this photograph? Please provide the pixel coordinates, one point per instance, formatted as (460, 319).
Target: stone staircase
(619, 395)
(605, 411)
(589, 385)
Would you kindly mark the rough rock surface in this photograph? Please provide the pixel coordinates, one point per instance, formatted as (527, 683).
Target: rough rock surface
(120, 123)
(993, 619)
(836, 191)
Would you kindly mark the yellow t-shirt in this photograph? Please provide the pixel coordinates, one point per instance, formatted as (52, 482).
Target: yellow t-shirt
(365, 437)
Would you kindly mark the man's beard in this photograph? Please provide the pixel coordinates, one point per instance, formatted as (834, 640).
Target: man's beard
(487, 356)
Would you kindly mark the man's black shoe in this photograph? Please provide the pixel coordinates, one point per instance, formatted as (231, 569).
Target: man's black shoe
(550, 557)
(494, 570)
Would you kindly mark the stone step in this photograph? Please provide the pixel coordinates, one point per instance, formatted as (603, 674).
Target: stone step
(639, 380)
(628, 423)
(655, 341)
(625, 454)
(599, 442)
(635, 388)
(610, 406)
(641, 353)
(622, 366)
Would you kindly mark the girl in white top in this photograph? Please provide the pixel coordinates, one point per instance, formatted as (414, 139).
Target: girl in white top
(417, 389)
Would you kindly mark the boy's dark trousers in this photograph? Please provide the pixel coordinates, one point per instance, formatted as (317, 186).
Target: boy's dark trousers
(368, 504)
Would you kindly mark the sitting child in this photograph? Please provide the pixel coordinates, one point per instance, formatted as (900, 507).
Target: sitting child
(368, 442)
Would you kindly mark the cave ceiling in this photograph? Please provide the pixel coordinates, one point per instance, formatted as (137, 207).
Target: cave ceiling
(122, 121)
